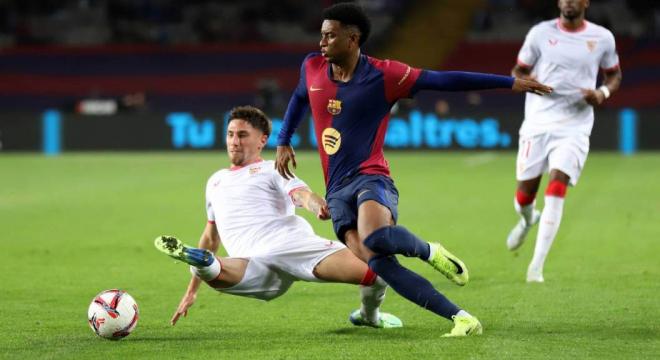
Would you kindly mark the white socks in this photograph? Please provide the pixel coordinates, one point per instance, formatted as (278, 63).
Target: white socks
(371, 297)
(207, 273)
(526, 211)
(548, 226)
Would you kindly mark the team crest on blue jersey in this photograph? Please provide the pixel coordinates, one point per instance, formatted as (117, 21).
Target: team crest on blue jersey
(334, 106)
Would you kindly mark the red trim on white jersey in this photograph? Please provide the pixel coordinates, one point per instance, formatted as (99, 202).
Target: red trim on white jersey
(238, 167)
(212, 222)
(615, 67)
(523, 64)
(565, 29)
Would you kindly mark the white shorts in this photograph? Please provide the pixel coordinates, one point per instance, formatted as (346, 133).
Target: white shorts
(269, 276)
(544, 152)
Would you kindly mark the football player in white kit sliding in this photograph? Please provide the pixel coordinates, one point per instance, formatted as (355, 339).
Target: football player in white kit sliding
(566, 54)
(251, 210)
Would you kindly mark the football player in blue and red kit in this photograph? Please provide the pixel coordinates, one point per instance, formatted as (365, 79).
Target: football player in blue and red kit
(350, 95)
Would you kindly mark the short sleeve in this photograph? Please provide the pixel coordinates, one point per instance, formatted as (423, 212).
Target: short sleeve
(529, 52)
(610, 59)
(286, 187)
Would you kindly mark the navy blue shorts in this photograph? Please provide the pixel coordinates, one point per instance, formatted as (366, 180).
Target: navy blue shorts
(344, 202)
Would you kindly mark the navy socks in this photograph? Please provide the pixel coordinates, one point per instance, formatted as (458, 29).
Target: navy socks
(412, 286)
(390, 240)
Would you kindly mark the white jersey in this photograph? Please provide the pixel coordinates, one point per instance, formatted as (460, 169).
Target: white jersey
(568, 61)
(252, 209)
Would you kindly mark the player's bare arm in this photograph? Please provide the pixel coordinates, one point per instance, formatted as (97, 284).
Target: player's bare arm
(611, 83)
(312, 202)
(285, 154)
(210, 240)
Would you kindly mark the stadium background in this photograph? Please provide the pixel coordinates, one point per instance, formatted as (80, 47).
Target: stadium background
(161, 74)
(132, 95)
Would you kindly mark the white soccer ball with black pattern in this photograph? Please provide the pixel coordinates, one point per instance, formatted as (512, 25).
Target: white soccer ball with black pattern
(113, 314)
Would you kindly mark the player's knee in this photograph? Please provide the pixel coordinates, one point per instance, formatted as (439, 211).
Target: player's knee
(380, 241)
(556, 188)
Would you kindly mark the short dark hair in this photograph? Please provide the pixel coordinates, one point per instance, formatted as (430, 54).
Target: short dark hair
(350, 14)
(253, 116)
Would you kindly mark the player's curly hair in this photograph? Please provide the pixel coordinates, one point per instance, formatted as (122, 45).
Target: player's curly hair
(350, 14)
(253, 116)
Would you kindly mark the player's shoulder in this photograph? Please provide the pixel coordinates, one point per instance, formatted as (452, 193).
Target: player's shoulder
(216, 178)
(599, 30)
(314, 58)
(544, 26)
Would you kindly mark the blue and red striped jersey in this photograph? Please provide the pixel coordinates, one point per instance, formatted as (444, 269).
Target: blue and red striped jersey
(350, 119)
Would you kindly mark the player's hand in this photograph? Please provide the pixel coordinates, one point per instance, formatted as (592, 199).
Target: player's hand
(593, 97)
(530, 85)
(323, 213)
(319, 206)
(186, 302)
(285, 154)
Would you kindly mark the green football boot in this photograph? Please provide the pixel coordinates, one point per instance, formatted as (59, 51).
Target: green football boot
(448, 265)
(385, 320)
(174, 248)
(465, 326)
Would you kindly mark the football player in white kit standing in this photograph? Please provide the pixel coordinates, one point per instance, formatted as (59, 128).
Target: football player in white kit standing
(566, 54)
(251, 210)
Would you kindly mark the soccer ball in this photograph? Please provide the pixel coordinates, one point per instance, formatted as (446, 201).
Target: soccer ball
(113, 314)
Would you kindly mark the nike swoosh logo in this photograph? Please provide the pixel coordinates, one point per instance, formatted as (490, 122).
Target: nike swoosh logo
(315, 89)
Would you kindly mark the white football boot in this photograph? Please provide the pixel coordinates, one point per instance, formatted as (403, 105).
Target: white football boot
(519, 232)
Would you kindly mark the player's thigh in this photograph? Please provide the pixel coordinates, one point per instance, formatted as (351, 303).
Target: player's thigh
(342, 266)
(372, 216)
(260, 281)
(356, 245)
(532, 159)
(232, 271)
(568, 155)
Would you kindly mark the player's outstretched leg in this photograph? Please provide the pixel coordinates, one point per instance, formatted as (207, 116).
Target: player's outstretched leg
(529, 216)
(203, 262)
(465, 325)
(368, 314)
(390, 240)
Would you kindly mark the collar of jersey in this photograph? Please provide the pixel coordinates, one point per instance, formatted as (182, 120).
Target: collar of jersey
(236, 167)
(358, 67)
(580, 29)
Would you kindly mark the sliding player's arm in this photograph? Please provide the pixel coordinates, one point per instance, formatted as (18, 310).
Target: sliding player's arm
(314, 203)
(210, 240)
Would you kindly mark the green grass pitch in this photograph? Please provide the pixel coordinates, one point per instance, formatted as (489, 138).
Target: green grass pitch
(74, 225)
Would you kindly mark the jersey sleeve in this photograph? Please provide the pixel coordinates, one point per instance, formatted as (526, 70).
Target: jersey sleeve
(529, 53)
(210, 215)
(295, 111)
(286, 187)
(399, 79)
(610, 59)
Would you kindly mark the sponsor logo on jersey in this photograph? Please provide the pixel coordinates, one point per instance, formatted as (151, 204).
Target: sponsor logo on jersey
(312, 89)
(334, 106)
(553, 42)
(331, 140)
(254, 170)
(591, 45)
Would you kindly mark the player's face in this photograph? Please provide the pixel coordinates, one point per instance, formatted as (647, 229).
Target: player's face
(571, 9)
(244, 142)
(337, 41)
